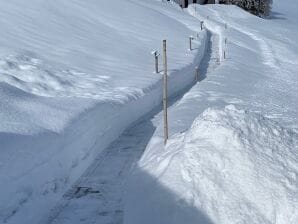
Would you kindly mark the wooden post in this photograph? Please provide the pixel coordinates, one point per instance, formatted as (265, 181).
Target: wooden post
(202, 22)
(156, 54)
(225, 48)
(190, 40)
(156, 64)
(197, 73)
(165, 91)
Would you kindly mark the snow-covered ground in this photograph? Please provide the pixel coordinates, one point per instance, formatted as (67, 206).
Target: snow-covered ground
(73, 76)
(232, 156)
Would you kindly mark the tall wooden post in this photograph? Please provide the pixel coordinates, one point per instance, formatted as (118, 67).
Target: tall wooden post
(165, 91)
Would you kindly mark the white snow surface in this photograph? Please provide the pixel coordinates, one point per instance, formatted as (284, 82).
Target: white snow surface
(231, 166)
(232, 154)
(73, 76)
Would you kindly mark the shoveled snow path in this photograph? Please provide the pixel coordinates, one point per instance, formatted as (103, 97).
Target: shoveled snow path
(97, 197)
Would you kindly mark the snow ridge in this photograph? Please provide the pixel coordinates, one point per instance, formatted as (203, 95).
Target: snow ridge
(232, 165)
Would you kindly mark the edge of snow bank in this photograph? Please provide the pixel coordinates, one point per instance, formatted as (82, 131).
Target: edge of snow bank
(230, 166)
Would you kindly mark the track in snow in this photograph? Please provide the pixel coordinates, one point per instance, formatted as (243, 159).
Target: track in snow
(211, 58)
(97, 197)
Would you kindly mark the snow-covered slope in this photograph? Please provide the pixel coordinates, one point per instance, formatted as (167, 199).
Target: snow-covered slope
(73, 75)
(232, 156)
(82, 49)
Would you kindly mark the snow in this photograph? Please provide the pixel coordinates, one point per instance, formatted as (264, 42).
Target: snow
(232, 154)
(73, 76)
(230, 166)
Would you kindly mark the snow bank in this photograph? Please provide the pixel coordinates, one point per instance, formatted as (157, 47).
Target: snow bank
(73, 76)
(231, 166)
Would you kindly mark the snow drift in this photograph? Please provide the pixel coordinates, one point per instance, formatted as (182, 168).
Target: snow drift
(231, 166)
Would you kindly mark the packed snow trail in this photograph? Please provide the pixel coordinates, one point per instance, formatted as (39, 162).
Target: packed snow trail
(97, 197)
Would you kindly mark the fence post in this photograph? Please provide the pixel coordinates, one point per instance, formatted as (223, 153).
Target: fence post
(197, 73)
(156, 63)
(156, 54)
(190, 42)
(202, 22)
(165, 91)
(225, 48)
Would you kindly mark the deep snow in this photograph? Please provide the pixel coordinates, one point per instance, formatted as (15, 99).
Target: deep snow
(232, 156)
(230, 166)
(73, 76)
